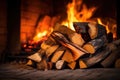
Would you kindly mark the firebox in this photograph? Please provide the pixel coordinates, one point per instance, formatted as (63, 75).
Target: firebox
(53, 30)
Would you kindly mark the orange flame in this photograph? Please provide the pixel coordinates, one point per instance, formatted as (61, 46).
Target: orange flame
(106, 26)
(73, 15)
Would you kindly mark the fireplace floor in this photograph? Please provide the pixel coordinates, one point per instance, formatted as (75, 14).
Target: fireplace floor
(23, 72)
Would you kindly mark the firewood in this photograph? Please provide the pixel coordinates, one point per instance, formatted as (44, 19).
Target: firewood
(117, 63)
(42, 65)
(29, 63)
(37, 57)
(72, 65)
(90, 61)
(60, 64)
(77, 51)
(93, 45)
(51, 50)
(68, 56)
(50, 65)
(89, 30)
(48, 43)
(82, 28)
(58, 53)
(96, 30)
(72, 35)
(116, 42)
(77, 39)
(110, 60)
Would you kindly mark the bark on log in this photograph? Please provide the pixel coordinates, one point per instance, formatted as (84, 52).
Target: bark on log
(115, 48)
(68, 56)
(72, 35)
(82, 28)
(60, 64)
(88, 62)
(93, 45)
(58, 54)
(95, 30)
(77, 51)
(42, 65)
(110, 60)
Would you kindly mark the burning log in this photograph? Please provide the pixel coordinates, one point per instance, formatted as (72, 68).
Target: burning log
(72, 35)
(58, 54)
(93, 45)
(77, 51)
(90, 61)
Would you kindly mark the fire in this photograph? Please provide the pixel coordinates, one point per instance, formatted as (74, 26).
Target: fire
(110, 26)
(74, 15)
(106, 26)
(77, 11)
(40, 36)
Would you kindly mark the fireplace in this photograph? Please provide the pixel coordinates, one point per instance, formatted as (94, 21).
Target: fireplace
(32, 18)
(39, 17)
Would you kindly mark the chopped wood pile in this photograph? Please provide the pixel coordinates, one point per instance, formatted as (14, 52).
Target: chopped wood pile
(83, 48)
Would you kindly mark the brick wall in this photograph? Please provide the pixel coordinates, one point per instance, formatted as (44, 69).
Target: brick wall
(31, 11)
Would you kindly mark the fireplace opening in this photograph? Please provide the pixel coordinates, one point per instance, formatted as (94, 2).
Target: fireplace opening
(40, 23)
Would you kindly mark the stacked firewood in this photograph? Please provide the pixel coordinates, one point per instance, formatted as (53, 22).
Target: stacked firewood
(83, 48)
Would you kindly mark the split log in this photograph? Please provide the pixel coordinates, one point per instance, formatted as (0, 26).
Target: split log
(90, 61)
(51, 50)
(72, 35)
(82, 28)
(58, 54)
(29, 63)
(72, 65)
(68, 56)
(95, 30)
(48, 43)
(37, 57)
(60, 64)
(93, 45)
(77, 51)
